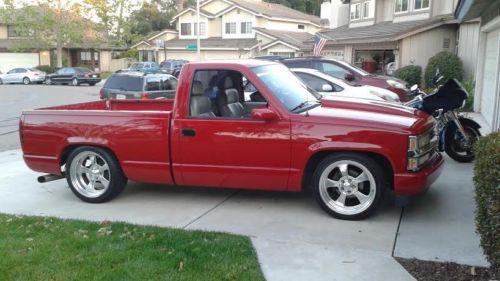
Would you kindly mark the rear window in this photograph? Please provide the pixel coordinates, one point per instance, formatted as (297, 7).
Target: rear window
(137, 66)
(165, 64)
(161, 83)
(124, 82)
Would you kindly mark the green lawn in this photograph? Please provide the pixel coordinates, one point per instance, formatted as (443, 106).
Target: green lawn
(39, 248)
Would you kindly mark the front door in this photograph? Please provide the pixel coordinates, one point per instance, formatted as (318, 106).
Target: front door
(209, 149)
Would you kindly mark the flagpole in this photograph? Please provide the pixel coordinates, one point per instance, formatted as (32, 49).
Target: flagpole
(198, 30)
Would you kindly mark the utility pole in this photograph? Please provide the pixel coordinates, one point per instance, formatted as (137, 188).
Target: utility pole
(58, 39)
(198, 30)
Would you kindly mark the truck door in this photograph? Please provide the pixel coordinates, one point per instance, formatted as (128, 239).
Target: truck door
(218, 144)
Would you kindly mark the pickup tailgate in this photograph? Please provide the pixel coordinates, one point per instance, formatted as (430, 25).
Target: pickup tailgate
(135, 131)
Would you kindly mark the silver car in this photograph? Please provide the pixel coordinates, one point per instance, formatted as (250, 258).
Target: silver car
(25, 75)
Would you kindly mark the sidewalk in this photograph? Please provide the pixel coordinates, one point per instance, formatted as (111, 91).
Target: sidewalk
(293, 237)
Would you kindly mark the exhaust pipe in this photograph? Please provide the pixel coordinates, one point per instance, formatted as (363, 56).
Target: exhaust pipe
(49, 177)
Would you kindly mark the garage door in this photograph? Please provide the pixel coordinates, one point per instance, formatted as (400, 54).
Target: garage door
(9, 61)
(490, 76)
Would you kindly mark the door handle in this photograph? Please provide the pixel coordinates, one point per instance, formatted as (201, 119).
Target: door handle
(188, 132)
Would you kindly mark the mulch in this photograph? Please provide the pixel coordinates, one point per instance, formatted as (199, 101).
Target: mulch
(443, 271)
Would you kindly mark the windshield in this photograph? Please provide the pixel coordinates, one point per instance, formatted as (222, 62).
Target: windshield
(354, 68)
(286, 87)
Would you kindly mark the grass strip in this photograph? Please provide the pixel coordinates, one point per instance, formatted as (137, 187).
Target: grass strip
(45, 248)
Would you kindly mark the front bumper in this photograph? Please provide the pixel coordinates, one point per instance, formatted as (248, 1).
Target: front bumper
(413, 183)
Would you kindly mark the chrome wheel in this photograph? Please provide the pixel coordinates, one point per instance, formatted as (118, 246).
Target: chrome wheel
(347, 187)
(26, 81)
(90, 174)
(48, 81)
(74, 82)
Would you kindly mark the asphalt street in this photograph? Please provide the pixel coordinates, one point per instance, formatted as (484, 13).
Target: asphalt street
(16, 98)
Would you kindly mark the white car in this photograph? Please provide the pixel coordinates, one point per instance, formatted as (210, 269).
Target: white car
(25, 75)
(328, 85)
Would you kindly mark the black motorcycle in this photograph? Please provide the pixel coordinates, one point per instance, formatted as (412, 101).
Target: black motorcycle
(457, 134)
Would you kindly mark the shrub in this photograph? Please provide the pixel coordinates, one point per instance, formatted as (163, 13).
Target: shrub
(449, 65)
(487, 189)
(46, 68)
(412, 74)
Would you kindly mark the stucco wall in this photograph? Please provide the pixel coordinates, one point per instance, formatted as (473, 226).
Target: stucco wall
(3, 32)
(45, 57)
(215, 6)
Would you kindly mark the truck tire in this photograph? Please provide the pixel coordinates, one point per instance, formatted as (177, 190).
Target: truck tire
(348, 186)
(94, 175)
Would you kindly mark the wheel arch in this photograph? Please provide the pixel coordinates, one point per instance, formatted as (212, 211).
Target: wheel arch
(317, 157)
(66, 151)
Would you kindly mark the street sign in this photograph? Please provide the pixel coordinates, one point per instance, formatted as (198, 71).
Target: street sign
(191, 46)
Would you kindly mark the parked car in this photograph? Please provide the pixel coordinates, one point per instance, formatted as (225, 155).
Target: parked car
(25, 75)
(74, 76)
(145, 66)
(328, 85)
(138, 85)
(343, 70)
(349, 152)
(172, 67)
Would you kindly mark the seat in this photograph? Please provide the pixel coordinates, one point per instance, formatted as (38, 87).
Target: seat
(229, 101)
(200, 106)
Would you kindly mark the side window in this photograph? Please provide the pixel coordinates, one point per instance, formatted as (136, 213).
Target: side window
(21, 70)
(314, 82)
(70, 71)
(153, 84)
(332, 69)
(221, 94)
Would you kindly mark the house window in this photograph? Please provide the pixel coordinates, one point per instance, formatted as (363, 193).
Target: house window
(185, 29)
(401, 6)
(366, 9)
(246, 27)
(356, 11)
(300, 26)
(230, 28)
(86, 58)
(203, 29)
(422, 4)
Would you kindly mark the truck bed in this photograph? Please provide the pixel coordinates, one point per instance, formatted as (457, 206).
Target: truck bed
(135, 131)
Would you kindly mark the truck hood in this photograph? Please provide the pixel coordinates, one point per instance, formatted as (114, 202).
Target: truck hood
(372, 113)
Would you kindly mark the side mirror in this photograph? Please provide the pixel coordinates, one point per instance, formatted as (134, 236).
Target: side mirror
(349, 77)
(326, 88)
(414, 88)
(264, 114)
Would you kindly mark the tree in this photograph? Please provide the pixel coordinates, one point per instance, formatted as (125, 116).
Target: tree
(46, 25)
(152, 17)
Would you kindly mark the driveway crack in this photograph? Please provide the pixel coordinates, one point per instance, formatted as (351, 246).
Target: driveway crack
(209, 210)
(397, 231)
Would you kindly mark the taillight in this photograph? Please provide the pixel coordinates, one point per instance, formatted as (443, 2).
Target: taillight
(145, 96)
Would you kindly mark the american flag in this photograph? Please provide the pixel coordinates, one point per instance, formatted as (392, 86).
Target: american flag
(319, 43)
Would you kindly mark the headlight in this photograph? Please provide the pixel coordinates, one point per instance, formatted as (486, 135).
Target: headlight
(396, 84)
(420, 149)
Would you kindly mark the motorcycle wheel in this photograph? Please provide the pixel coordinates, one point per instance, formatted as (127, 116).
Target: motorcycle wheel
(457, 147)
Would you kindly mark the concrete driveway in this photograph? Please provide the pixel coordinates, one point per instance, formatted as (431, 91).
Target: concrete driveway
(294, 238)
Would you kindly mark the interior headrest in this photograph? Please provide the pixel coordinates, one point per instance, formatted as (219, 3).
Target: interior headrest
(197, 89)
(228, 83)
(232, 96)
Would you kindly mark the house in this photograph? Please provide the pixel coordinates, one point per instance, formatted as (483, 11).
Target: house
(232, 29)
(402, 32)
(22, 50)
(10, 59)
(485, 14)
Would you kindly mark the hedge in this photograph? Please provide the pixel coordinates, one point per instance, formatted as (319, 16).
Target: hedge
(449, 65)
(412, 74)
(487, 189)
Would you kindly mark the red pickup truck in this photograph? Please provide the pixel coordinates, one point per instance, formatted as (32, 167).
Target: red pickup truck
(216, 133)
